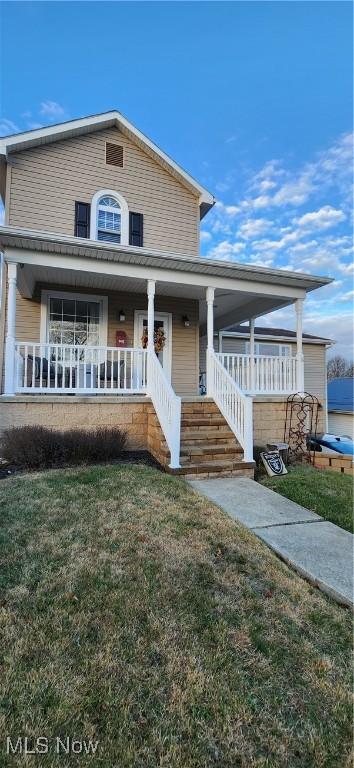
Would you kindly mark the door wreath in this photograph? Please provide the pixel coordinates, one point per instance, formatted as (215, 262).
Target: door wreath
(159, 339)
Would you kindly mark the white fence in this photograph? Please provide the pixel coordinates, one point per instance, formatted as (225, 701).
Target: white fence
(167, 406)
(68, 368)
(235, 405)
(268, 375)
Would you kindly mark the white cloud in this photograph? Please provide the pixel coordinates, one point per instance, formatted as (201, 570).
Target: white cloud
(254, 227)
(324, 218)
(226, 251)
(349, 296)
(204, 235)
(7, 127)
(51, 109)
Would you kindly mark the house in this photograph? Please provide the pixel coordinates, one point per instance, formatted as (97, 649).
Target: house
(106, 298)
(341, 406)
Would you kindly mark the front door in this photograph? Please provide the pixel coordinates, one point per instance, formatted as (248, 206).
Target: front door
(163, 336)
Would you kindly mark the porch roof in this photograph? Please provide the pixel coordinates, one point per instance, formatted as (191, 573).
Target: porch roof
(241, 291)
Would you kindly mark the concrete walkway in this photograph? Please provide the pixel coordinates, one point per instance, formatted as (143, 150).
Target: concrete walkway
(318, 550)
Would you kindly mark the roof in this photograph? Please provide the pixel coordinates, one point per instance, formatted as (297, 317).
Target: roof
(41, 136)
(50, 242)
(341, 394)
(274, 333)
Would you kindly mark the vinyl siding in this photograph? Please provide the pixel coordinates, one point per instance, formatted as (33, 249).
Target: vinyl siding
(314, 361)
(341, 424)
(185, 341)
(46, 181)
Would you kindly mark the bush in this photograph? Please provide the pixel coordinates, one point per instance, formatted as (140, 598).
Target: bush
(39, 447)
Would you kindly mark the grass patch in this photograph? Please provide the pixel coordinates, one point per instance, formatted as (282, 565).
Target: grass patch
(330, 494)
(135, 612)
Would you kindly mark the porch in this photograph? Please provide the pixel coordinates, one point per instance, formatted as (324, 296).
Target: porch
(130, 294)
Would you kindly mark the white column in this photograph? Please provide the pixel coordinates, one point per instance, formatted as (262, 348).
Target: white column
(210, 336)
(10, 330)
(252, 370)
(151, 314)
(299, 353)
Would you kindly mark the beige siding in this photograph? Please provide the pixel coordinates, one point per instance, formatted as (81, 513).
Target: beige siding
(314, 361)
(341, 424)
(46, 181)
(185, 341)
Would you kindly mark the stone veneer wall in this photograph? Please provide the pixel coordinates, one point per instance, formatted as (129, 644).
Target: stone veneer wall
(269, 415)
(131, 414)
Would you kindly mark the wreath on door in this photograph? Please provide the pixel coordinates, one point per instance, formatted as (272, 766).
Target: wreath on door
(159, 339)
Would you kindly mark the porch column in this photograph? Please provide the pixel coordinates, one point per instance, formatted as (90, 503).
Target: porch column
(151, 313)
(252, 370)
(10, 330)
(210, 335)
(299, 353)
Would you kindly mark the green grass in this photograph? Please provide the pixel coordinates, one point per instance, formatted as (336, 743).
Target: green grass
(135, 612)
(328, 493)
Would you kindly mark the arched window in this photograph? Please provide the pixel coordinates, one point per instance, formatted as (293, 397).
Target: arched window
(108, 220)
(109, 217)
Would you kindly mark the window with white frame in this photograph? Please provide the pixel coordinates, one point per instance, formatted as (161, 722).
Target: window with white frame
(270, 349)
(72, 321)
(108, 220)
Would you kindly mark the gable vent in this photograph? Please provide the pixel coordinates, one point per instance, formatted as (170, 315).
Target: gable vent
(114, 154)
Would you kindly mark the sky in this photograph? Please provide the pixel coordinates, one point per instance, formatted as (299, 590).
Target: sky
(254, 99)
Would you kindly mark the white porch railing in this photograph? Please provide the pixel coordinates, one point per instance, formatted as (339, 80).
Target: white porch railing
(271, 375)
(235, 406)
(68, 368)
(167, 406)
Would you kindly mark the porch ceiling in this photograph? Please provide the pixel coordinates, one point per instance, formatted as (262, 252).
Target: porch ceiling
(230, 306)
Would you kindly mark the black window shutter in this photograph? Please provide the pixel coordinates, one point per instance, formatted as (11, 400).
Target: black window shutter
(82, 219)
(136, 228)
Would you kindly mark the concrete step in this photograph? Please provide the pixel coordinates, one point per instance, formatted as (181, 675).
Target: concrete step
(197, 437)
(201, 421)
(213, 467)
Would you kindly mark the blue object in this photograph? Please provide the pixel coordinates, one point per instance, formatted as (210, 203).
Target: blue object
(343, 445)
(340, 394)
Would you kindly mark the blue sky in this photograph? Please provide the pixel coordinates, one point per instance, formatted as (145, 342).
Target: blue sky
(254, 99)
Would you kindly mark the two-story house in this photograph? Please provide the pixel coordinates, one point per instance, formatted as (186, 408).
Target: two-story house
(106, 298)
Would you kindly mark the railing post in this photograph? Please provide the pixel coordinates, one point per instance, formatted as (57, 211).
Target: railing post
(300, 385)
(10, 383)
(248, 448)
(151, 312)
(210, 337)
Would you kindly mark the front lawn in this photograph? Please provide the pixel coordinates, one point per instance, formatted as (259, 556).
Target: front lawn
(134, 612)
(328, 493)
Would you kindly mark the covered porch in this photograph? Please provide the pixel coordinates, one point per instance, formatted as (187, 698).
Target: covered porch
(128, 297)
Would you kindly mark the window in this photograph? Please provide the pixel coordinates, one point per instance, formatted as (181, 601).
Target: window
(73, 321)
(270, 349)
(108, 220)
(109, 217)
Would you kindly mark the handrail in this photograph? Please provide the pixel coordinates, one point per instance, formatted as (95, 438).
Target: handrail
(167, 406)
(235, 406)
(261, 374)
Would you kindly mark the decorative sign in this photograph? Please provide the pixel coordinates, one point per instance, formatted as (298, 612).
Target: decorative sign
(274, 463)
(121, 339)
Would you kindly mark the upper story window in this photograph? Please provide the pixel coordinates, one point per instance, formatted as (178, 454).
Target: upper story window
(109, 217)
(108, 220)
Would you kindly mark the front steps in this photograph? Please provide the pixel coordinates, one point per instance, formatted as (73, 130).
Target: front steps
(208, 446)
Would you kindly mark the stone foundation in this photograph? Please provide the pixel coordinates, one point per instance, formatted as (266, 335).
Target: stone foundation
(269, 414)
(129, 413)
